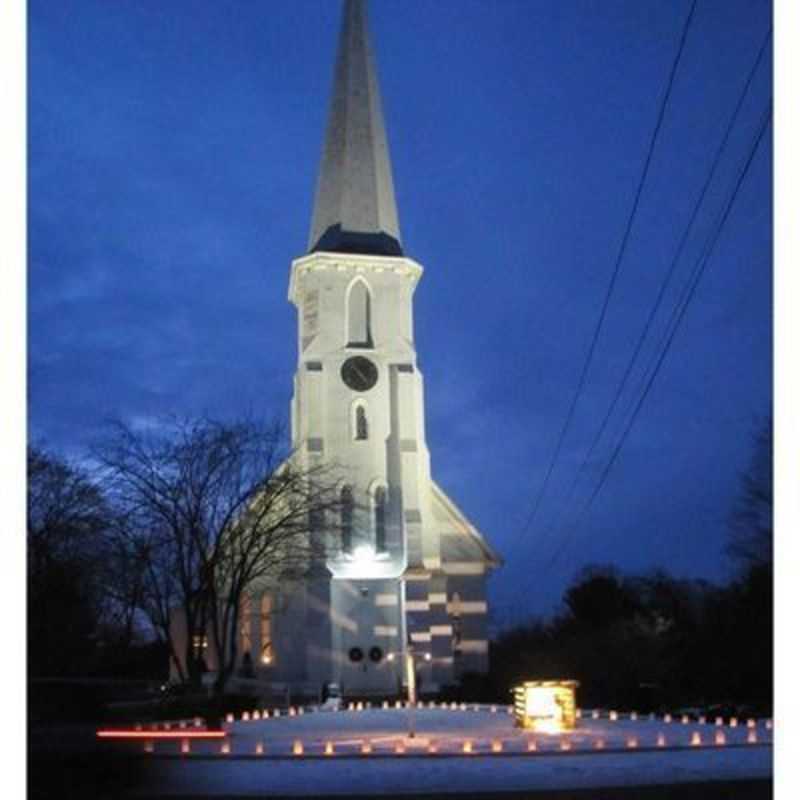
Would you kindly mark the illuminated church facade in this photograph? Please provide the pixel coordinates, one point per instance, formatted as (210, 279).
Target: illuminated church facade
(410, 570)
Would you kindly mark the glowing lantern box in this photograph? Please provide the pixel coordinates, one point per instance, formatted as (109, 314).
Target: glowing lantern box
(545, 705)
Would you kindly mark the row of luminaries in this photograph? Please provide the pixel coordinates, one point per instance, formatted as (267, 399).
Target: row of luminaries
(451, 746)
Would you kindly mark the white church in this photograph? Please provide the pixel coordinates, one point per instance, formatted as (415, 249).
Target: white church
(410, 571)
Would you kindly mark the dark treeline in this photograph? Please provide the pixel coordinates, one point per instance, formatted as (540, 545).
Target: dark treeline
(82, 596)
(650, 642)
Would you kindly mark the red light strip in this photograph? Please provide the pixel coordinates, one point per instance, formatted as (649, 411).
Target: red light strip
(179, 734)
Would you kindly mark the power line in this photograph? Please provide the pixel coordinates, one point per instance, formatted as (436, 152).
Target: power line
(666, 280)
(610, 290)
(678, 317)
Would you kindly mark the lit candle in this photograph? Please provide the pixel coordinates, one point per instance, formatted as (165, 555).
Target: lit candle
(259, 748)
(366, 748)
(595, 714)
(245, 716)
(696, 741)
(276, 712)
(198, 722)
(433, 748)
(578, 713)
(566, 744)
(493, 709)
(632, 742)
(497, 746)
(769, 724)
(225, 748)
(297, 748)
(399, 748)
(467, 746)
(752, 736)
(185, 746)
(634, 716)
(734, 722)
(719, 737)
(256, 715)
(385, 704)
(685, 719)
(292, 712)
(661, 740)
(612, 715)
(702, 719)
(531, 745)
(599, 744)
(751, 723)
(148, 746)
(719, 721)
(667, 718)
(328, 748)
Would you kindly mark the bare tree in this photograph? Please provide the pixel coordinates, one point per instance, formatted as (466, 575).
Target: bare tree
(750, 523)
(210, 509)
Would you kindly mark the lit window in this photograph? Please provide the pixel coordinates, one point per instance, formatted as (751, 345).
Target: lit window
(199, 644)
(380, 520)
(266, 629)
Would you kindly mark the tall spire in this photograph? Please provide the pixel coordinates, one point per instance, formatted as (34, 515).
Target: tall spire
(355, 210)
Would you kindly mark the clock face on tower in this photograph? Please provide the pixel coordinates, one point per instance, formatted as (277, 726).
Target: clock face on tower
(359, 373)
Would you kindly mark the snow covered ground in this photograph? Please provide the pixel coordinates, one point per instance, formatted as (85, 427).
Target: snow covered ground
(323, 753)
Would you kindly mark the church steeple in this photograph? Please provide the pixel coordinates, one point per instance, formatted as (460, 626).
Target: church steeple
(355, 209)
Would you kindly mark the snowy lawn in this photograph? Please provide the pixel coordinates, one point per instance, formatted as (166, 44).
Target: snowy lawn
(323, 753)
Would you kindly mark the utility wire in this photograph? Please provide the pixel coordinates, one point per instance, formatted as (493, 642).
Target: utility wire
(685, 302)
(664, 284)
(610, 290)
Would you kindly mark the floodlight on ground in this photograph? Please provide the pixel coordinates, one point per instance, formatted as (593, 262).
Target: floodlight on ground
(547, 706)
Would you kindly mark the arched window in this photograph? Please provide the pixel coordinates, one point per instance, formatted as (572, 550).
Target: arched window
(359, 333)
(245, 622)
(380, 520)
(361, 426)
(346, 499)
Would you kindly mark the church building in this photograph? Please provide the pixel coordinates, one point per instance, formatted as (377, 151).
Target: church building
(410, 572)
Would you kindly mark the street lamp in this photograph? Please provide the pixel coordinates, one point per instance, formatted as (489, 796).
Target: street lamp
(410, 659)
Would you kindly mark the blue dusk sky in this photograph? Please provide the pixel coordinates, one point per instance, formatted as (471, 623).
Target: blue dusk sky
(173, 151)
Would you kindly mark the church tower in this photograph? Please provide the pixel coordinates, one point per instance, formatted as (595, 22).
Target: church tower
(408, 569)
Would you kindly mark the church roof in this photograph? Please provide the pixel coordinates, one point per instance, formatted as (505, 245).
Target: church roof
(355, 209)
